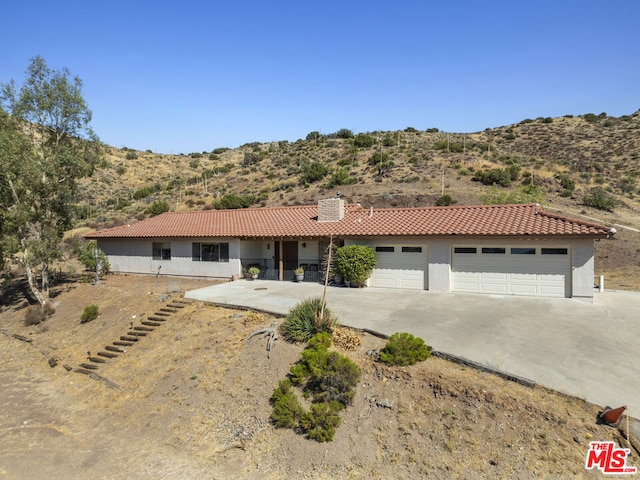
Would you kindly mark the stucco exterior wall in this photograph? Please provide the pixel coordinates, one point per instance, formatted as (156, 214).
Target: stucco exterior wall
(308, 253)
(135, 256)
(582, 270)
(439, 254)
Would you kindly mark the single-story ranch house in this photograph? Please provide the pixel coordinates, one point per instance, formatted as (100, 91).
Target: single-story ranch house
(496, 249)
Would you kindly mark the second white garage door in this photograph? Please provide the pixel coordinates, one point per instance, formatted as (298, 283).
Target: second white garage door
(512, 270)
(400, 266)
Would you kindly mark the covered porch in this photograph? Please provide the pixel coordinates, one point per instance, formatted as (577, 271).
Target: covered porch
(278, 258)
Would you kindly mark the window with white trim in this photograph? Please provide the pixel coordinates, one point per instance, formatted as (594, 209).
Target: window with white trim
(210, 252)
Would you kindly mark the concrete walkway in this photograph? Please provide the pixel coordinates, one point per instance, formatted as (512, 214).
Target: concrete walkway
(586, 350)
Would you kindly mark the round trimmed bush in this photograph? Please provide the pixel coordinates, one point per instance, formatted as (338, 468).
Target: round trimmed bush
(404, 349)
(356, 262)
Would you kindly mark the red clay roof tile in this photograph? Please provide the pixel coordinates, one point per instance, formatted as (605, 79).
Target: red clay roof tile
(301, 221)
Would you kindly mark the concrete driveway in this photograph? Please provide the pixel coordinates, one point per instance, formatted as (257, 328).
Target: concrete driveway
(586, 350)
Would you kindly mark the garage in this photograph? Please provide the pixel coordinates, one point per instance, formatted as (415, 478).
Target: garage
(400, 266)
(512, 270)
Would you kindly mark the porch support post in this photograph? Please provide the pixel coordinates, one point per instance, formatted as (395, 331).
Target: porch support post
(280, 261)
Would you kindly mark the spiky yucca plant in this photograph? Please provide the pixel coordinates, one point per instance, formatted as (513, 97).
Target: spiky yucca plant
(304, 320)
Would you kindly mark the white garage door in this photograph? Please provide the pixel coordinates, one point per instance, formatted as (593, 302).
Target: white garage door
(400, 266)
(512, 270)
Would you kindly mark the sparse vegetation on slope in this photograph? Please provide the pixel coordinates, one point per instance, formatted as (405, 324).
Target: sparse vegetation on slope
(556, 162)
(564, 157)
(195, 403)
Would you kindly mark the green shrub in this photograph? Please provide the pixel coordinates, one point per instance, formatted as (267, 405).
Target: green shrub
(381, 162)
(513, 171)
(363, 140)
(329, 378)
(444, 201)
(251, 158)
(142, 193)
(303, 321)
(337, 381)
(340, 176)
(287, 410)
(566, 182)
(495, 176)
(233, 201)
(404, 349)
(321, 421)
(344, 133)
(121, 203)
(444, 146)
(312, 359)
(131, 155)
(627, 185)
(83, 211)
(90, 313)
(157, 207)
(313, 136)
(90, 254)
(313, 172)
(391, 139)
(356, 262)
(598, 198)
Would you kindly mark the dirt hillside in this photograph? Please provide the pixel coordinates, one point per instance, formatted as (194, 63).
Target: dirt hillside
(190, 400)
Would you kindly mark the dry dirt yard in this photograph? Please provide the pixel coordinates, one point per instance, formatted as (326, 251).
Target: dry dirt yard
(191, 401)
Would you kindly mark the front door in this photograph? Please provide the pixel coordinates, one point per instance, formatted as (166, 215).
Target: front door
(289, 258)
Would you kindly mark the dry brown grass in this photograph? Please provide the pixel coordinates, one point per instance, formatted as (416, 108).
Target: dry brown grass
(345, 338)
(194, 403)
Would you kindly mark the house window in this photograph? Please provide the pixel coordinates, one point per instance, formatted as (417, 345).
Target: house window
(210, 252)
(161, 251)
(523, 251)
(554, 251)
(385, 249)
(411, 249)
(492, 250)
(465, 250)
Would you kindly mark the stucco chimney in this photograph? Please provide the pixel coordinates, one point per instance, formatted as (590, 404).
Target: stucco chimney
(330, 210)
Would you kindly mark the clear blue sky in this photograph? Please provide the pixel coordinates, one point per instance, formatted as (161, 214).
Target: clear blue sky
(190, 76)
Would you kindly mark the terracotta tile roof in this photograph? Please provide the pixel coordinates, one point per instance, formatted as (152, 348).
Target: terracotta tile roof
(301, 222)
